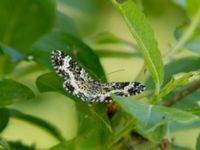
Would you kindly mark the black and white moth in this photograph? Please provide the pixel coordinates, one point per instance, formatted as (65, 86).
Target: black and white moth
(79, 83)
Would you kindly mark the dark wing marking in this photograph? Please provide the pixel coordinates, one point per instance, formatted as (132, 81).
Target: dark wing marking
(67, 68)
(119, 89)
(123, 88)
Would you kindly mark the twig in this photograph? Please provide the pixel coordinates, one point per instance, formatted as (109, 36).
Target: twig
(184, 93)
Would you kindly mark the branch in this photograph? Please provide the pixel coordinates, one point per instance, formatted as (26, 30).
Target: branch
(184, 93)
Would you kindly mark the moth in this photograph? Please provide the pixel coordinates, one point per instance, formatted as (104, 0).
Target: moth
(78, 82)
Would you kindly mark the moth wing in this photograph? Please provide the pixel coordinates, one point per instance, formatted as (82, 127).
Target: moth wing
(123, 88)
(67, 68)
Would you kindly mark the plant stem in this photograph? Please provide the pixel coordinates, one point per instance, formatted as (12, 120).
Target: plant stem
(4, 144)
(183, 94)
(126, 129)
(165, 144)
(186, 36)
(188, 33)
(193, 110)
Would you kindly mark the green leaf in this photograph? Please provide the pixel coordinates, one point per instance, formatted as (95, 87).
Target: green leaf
(175, 126)
(187, 64)
(41, 52)
(177, 80)
(150, 117)
(66, 24)
(44, 85)
(189, 103)
(85, 13)
(190, 6)
(154, 8)
(12, 91)
(159, 133)
(198, 143)
(4, 118)
(24, 21)
(106, 38)
(4, 144)
(20, 146)
(144, 36)
(109, 38)
(178, 147)
(92, 132)
(117, 54)
(56, 84)
(193, 43)
(12, 53)
(195, 20)
(37, 121)
(6, 65)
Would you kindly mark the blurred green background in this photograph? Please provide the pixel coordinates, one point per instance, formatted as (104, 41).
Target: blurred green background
(23, 22)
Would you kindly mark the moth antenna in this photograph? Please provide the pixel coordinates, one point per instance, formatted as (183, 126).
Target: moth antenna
(110, 73)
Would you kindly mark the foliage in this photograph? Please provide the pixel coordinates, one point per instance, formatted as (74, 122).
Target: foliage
(31, 29)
